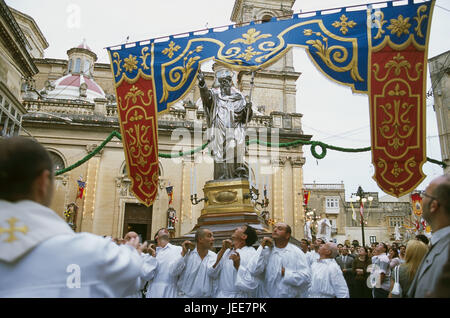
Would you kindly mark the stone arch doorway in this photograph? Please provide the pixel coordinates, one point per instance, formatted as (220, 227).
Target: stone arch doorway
(138, 218)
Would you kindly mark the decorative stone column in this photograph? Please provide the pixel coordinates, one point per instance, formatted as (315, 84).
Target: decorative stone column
(87, 223)
(277, 186)
(297, 201)
(185, 219)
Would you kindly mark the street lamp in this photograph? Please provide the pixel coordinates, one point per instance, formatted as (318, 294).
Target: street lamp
(362, 197)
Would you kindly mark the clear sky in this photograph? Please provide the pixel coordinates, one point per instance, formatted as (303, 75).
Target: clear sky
(331, 112)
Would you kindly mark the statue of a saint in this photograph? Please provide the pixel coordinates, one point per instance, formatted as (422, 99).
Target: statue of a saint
(227, 112)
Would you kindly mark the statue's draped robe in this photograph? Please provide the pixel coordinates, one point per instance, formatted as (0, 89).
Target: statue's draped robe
(226, 116)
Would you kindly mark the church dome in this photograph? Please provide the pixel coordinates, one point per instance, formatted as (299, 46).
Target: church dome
(78, 82)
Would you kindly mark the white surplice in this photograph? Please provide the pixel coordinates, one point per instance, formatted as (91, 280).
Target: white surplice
(234, 283)
(164, 277)
(148, 270)
(313, 257)
(297, 275)
(41, 256)
(327, 280)
(197, 278)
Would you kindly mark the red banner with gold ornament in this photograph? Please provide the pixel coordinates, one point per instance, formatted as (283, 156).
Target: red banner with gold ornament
(416, 200)
(138, 124)
(397, 105)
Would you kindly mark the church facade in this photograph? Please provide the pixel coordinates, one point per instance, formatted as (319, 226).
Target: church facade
(72, 109)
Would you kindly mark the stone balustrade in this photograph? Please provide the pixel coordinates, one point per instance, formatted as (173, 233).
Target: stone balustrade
(68, 108)
(286, 121)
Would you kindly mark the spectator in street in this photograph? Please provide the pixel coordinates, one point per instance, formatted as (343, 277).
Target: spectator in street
(327, 280)
(394, 260)
(436, 212)
(402, 253)
(369, 253)
(44, 257)
(415, 251)
(374, 245)
(442, 288)
(381, 268)
(340, 246)
(359, 266)
(345, 262)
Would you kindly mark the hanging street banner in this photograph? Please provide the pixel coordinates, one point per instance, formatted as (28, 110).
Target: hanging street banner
(380, 50)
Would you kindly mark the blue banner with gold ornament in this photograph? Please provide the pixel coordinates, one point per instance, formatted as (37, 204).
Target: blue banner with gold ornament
(341, 43)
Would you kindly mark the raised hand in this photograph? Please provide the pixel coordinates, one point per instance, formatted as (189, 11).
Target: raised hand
(226, 244)
(187, 245)
(236, 258)
(201, 78)
(267, 241)
(152, 250)
(143, 247)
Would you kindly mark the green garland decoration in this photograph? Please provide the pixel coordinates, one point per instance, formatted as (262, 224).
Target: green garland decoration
(314, 145)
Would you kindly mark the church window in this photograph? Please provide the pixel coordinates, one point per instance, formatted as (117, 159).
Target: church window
(70, 66)
(77, 65)
(332, 204)
(87, 66)
(58, 162)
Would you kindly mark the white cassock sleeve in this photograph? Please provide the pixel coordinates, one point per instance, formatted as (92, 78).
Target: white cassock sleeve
(149, 267)
(259, 262)
(301, 274)
(120, 267)
(177, 265)
(339, 284)
(244, 278)
(214, 272)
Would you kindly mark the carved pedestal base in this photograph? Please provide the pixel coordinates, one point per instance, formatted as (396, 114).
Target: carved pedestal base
(228, 206)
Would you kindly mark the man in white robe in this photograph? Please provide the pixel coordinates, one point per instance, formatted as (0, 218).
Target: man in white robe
(197, 278)
(163, 283)
(232, 265)
(148, 267)
(327, 280)
(285, 267)
(40, 255)
(313, 255)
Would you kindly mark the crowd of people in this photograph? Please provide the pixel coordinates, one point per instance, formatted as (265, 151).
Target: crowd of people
(42, 256)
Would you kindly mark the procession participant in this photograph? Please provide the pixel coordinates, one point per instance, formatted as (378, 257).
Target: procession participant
(304, 246)
(232, 265)
(148, 267)
(170, 264)
(327, 280)
(40, 255)
(285, 267)
(197, 278)
(436, 211)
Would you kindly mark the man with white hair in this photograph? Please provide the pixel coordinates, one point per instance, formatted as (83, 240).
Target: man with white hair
(327, 280)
